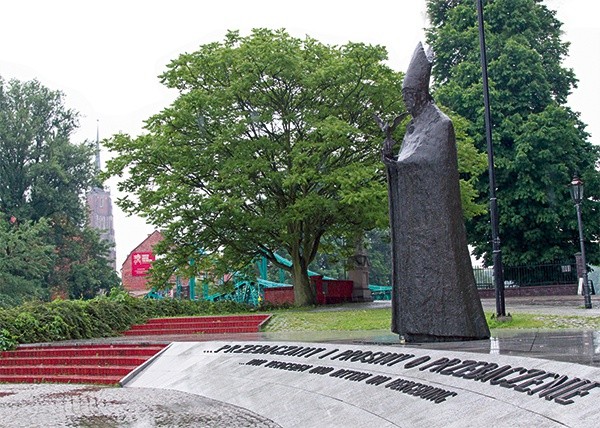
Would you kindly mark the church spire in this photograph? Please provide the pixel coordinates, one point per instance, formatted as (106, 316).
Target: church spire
(98, 165)
(100, 206)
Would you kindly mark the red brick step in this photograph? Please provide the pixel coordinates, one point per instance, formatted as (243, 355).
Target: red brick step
(195, 324)
(199, 325)
(84, 351)
(94, 364)
(66, 370)
(64, 361)
(104, 380)
(205, 330)
(211, 318)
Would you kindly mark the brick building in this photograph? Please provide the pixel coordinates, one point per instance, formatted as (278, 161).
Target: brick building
(134, 271)
(135, 267)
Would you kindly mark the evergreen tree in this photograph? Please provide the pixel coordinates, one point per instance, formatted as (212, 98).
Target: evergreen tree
(539, 142)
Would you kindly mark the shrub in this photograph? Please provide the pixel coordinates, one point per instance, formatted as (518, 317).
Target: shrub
(99, 317)
(7, 340)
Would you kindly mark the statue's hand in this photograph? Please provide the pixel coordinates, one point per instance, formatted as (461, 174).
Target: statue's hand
(387, 150)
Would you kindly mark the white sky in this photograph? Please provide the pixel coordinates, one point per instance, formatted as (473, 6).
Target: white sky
(106, 55)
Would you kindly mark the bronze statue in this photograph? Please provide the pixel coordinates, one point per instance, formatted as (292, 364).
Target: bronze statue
(434, 296)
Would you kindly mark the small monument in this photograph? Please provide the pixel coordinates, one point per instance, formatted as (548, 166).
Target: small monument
(434, 296)
(358, 273)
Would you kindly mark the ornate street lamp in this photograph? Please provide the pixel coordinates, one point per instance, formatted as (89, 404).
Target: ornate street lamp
(577, 195)
(577, 189)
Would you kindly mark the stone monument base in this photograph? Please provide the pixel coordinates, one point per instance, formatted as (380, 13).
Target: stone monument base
(359, 275)
(305, 385)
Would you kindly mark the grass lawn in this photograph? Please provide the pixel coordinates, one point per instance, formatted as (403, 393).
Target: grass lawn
(342, 320)
(347, 319)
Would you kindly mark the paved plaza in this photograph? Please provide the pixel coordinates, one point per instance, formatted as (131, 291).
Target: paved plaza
(49, 406)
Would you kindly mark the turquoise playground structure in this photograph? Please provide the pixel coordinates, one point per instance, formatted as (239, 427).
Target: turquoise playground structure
(252, 291)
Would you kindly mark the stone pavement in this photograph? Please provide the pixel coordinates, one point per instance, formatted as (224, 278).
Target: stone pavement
(49, 406)
(549, 305)
(92, 406)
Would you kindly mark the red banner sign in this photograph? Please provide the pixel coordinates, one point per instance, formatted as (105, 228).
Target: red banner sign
(141, 263)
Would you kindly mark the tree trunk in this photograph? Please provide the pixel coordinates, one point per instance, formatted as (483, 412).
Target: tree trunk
(304, 294)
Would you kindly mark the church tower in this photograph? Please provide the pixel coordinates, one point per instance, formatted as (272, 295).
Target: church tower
(99, 205)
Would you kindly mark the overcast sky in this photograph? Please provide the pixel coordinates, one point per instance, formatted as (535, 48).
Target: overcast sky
(106, 55)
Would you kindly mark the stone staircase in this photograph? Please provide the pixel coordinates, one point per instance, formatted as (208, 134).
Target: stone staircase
(91, 364)
(199, 325)
(107, 364)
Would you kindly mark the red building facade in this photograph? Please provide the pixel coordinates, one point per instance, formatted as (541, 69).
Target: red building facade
(135, 267)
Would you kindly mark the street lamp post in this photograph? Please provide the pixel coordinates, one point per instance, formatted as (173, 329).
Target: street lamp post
(495, 224)
(577, 195)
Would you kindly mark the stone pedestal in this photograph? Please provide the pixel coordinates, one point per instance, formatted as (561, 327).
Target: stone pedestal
(359, 275)
(579, 265)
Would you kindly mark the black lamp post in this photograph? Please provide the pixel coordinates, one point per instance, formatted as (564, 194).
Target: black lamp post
(494, 217)
(577, 195)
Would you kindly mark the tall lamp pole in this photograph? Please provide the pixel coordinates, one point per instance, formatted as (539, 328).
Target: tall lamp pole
(577, 195)
(496, 251)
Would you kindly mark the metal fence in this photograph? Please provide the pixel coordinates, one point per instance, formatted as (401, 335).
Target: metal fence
(529, 276)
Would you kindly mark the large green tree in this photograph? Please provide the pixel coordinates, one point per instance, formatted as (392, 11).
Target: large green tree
(43, 178)
(539, 141)
(271, 146)
(41, 173)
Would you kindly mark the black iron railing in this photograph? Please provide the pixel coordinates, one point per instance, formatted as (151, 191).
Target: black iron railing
(531, 275)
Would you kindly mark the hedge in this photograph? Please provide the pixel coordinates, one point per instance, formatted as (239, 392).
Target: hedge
(105, 316)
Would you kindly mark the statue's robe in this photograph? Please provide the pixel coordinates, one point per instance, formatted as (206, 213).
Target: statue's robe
(434, 295)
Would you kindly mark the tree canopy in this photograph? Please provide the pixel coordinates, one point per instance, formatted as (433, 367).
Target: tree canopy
(539, 142)
(271, 146)
(26, 259)
(43, 178)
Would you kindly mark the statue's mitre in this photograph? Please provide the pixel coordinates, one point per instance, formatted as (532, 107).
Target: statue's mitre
(419, 70)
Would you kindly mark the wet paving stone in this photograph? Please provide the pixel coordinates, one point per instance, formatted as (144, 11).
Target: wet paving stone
(33, 406)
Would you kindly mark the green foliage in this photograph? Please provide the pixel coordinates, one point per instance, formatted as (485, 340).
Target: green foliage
(25, 261)
(471, 164)
(271, 146)
(84, 268)
(380, 257)
(99, 317)
(7, 340)
(42, 173)
(539, 142)
(45, 246)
